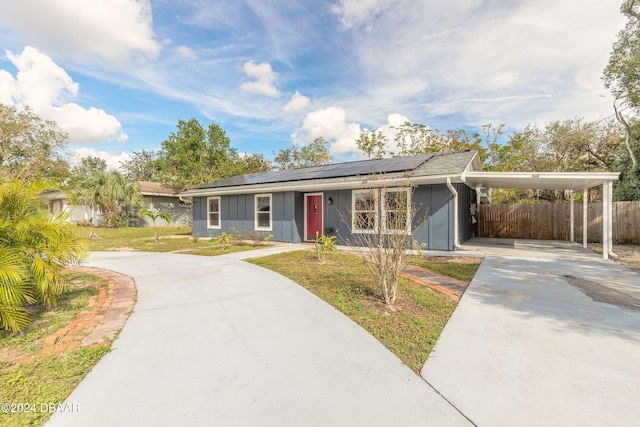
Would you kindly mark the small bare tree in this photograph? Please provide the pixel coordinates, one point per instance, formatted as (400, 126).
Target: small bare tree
(380, 223)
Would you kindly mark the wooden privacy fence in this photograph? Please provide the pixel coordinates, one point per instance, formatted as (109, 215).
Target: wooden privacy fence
(550, 221)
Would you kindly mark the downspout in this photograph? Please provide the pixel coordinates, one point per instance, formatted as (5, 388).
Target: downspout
(456, 238)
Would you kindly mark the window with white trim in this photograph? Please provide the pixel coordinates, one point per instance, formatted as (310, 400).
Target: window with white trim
(213, 212)
(263, 218)
(365, 211)
(396, 210)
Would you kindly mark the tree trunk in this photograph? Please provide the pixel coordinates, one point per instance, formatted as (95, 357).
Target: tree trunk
(627, 139)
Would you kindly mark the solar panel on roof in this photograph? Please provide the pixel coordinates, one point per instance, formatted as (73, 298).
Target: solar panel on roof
(338, 170)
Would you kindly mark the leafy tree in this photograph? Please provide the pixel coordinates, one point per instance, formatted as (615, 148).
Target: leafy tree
(315, 154)
(373, 144)
(414, 138)
(33, 251)
(31, 148)
(621, 77)
(154, 217)
(193, 156)
(256, 163)
(143, 166)
(88, 167)
(109, 190)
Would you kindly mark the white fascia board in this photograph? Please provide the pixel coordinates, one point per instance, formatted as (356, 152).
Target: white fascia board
(539, 180)
(320, 186)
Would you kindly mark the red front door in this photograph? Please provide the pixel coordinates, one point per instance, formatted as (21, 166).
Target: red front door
(314, 216)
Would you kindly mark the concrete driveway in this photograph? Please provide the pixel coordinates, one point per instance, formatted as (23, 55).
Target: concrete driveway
(547, 334)
(218, 341)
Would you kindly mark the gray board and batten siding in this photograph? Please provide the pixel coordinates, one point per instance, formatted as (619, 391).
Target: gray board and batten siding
(433, 202)
(433, 225)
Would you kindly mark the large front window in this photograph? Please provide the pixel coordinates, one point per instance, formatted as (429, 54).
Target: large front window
(392, 215)
(263, 212)
(365, 211)
(213, 210)
(396, 209)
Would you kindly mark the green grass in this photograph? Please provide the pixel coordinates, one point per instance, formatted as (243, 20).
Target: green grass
(46, 379)
(142, 239)
(47, 321)
(139, 239)
(219, 250)
(459, 268)
(344, 282)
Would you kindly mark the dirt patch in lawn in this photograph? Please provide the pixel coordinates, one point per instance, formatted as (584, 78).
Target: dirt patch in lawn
(628, 255)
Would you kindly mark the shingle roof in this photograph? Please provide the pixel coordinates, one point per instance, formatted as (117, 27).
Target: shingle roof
(148, 188)
(423, 165)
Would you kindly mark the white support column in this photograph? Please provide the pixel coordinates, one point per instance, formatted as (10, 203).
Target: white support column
(610, 217)
(605, 220)
(571, 218)
(585, 217)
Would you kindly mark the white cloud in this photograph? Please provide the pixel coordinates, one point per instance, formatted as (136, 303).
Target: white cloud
(331, 124)
(112, 158)
(186, 53)
(117, 30)
(298, 102)
(264, 79)
(48, 90)
(481, 61)
(353, 13)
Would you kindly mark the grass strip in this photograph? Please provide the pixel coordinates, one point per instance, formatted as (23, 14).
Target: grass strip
(343, 281)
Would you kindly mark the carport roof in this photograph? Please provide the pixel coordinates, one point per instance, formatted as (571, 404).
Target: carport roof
(539, 180)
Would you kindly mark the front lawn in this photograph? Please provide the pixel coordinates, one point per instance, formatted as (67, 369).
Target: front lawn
(138, 239)
(44, 380)
(344, 282)
(461, 268)
(172, 238)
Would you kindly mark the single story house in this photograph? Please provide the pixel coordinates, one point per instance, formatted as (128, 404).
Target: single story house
(156, 198)
(347, 198)
(60, 202)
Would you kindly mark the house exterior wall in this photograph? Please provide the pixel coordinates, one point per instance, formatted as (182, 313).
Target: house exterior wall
(466, 197)
(180, 214)
(433, 224)
(78, 213)
(238, 215)
(433, 221)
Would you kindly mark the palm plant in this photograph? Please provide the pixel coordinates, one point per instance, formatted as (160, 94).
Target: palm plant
(154, 216)
(33, 251)
(109, 190)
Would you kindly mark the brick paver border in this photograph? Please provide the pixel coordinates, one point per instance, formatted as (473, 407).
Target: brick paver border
(105, 315)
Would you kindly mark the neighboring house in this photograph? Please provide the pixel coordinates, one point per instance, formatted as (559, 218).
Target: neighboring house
(293, 204)
(59, 202)
(160, 199)
(156, 197)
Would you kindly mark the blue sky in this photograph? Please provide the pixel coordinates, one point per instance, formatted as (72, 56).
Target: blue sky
(117, 75)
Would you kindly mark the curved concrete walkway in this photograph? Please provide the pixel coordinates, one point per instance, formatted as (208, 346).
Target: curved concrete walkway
(218, 341)
(547, 334)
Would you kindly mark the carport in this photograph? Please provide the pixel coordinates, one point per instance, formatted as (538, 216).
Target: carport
(572, 181)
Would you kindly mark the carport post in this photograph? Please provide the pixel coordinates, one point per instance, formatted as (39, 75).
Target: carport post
(585, 219)
(610, 218)
(605, 220)
(571, 220)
